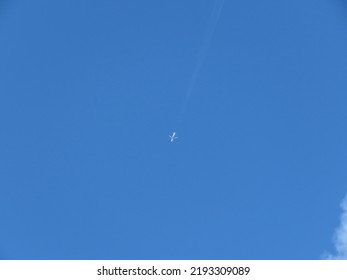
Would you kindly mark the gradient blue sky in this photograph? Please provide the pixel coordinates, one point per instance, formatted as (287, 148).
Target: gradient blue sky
(90, 91)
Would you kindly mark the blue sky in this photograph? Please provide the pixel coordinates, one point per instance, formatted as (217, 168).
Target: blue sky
(90, 91)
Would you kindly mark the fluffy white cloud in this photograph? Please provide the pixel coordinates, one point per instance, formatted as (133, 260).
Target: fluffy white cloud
(340, 237)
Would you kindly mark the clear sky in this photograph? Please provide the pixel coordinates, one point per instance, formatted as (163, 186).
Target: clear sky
(91, 90)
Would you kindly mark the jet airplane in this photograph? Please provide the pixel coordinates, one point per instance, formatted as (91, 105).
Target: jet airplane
(173, 136)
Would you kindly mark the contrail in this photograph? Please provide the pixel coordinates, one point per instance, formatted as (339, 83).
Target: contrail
(217, 9)
(340, 238)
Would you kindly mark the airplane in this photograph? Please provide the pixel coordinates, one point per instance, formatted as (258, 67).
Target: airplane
(173, 136)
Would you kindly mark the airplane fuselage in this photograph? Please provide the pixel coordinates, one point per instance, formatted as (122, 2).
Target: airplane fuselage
(173, 136)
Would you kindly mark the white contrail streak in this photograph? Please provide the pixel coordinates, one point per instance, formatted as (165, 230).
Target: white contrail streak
(340, 238)
(202, 54)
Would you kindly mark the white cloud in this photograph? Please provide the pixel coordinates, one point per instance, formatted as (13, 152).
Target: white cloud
(340, 237)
